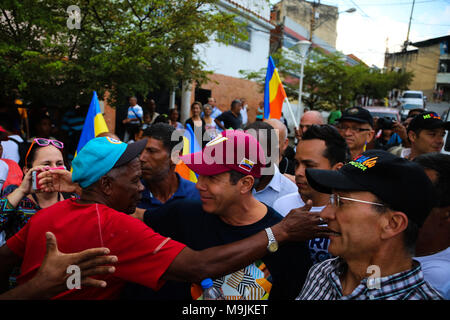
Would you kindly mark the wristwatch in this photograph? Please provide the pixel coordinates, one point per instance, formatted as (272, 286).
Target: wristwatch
(272, 246)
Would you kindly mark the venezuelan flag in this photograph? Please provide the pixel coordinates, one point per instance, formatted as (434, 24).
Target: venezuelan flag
(94, 124)
(190, 145)
(274, 94)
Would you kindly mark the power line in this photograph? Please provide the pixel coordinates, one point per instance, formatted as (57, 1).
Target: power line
(362, 11)
(394, 3)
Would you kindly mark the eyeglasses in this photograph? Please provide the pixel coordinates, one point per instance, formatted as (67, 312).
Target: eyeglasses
(42, 142)
(335, 200)
(353, 130)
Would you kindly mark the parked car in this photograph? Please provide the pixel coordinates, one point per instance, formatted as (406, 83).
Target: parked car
(413, 97)
(407, 107)
(384, 112)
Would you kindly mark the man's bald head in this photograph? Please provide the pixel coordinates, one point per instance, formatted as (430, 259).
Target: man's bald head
(277, 124)
(309, 118)
(281, 131)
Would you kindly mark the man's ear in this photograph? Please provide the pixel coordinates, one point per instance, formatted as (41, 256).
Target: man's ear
(246, 184)
(371, 135)
(412, 136)
(395, 222)
(106, 185)
(337, 166)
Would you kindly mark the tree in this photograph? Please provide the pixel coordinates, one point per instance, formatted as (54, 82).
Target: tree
(124, 46)
(329, 83)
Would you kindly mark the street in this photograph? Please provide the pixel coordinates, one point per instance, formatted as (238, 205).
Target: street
(439, 108)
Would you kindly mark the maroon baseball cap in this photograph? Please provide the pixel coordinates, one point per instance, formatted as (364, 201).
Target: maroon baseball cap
(232, 150)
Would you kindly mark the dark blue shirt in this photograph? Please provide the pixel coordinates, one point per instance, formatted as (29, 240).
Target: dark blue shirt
(186, 190)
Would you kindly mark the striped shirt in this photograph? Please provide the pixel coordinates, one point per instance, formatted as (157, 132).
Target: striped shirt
(323, 284)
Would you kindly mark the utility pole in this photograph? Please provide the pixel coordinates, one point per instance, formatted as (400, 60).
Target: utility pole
(313, 18)
(405, 44)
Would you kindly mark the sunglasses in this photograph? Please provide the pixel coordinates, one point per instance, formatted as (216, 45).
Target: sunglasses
(42, 142)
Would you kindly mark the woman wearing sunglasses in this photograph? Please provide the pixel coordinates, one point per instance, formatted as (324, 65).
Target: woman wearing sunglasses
(18, 206)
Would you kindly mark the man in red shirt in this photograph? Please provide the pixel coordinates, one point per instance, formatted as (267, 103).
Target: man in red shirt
(109, 173)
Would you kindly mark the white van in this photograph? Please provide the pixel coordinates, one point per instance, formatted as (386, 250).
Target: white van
(413, 97)
(411, 100)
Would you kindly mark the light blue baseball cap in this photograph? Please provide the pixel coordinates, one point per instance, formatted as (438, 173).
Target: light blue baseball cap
(100, 155)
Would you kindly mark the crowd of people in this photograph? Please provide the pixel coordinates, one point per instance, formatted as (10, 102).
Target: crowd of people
(265, 218)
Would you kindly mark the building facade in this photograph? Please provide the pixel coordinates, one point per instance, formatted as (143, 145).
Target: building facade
(225, 61)
(430, 63)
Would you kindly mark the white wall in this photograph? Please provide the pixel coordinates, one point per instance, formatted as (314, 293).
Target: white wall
(228, 60)
(261, 7)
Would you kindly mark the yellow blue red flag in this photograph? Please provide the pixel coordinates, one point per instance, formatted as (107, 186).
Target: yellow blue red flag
(274, 94)
(94, 124)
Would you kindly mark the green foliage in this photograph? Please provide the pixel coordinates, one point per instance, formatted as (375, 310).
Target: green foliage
(127, 47)
(329, 83)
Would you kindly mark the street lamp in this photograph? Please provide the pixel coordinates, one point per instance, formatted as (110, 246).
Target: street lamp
(303, 47)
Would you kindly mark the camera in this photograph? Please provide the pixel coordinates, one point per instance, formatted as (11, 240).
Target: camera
(385, 123)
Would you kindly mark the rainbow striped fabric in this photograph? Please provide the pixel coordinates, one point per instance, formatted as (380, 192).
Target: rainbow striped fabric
(274, 94)
(190, 145)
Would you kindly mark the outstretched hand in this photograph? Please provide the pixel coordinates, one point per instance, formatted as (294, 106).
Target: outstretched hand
(57, 181)
(52, 275)
(301, 225)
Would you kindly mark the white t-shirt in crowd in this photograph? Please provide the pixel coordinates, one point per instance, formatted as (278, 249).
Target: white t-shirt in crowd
(436, 271)
(4, 169)
(318, 247)
(11, 149)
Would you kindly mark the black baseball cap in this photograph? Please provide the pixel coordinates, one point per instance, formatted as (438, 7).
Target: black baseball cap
(357, 114)
(399, 183)
(428, 120)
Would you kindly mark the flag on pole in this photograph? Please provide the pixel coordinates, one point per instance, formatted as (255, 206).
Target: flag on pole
(190, 145)
(274, 94)
(94, 124)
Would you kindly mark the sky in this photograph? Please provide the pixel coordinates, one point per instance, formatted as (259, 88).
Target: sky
(376, 23)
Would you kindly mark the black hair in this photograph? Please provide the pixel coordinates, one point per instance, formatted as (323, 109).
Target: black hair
(440, 163)
(420, 110)
(162, 118)
(336, 147)
(235, 102)
(163, 132)
(235, 176)
(196, 103)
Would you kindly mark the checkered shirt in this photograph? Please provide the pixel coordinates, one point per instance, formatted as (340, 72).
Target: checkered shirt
(323, 283)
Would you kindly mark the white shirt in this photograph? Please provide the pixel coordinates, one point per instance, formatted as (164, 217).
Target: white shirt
(135, 113)
(278, 187)
(11, 149)
(244, 115)
(405, 153)
(4, 168)
(436, 271)
(318, 247)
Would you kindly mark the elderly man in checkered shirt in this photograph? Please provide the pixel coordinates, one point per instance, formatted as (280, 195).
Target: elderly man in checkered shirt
(378, 203)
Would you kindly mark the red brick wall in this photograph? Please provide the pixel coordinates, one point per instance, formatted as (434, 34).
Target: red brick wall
(225, 89)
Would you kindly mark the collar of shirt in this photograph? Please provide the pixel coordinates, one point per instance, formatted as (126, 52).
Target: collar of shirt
(377, 288)
(179, 193)
(275, 183)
